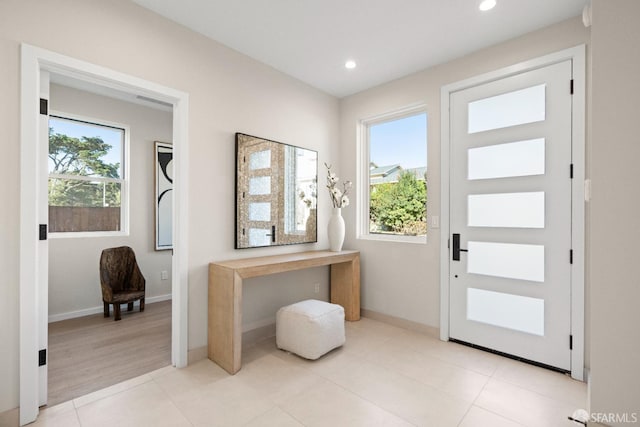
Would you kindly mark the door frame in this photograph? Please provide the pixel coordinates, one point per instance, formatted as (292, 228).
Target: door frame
(35, 60)
(577, 56)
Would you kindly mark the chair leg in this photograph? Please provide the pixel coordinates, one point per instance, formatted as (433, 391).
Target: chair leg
(142, 304)
(130, 306)
(116, 311)
(106, 309)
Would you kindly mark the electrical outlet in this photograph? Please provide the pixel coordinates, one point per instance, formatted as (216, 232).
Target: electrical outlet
(164, 275)
(316, 287)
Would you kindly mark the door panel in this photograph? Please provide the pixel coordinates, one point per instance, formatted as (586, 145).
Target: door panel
(511, 206)
(260, 192)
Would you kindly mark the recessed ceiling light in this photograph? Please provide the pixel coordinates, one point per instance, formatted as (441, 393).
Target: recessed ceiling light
(350, 64)
(487, 5)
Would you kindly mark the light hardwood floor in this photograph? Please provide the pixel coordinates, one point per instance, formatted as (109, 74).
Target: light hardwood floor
(89, 353)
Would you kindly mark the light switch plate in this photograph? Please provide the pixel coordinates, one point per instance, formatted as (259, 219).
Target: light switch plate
(587, 190)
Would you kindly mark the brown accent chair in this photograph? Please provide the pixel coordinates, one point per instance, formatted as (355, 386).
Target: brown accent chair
(120, 279)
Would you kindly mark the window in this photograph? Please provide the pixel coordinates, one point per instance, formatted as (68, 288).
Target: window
(87, 185)
(393, 181)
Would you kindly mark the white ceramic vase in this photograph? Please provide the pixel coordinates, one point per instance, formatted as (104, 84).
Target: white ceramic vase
(336, 230)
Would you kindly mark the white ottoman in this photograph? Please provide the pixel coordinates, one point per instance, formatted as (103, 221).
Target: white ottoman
(310, 328)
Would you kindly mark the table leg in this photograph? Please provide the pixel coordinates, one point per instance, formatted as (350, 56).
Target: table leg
(345, 287)
(225, 318)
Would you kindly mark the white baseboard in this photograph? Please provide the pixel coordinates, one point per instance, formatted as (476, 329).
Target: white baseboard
(254, 332)
(196, 354)
(253, 336)
(401, 323)
(249, 338)
(99, 309)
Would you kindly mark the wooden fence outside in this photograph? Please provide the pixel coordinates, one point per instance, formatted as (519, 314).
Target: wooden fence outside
(77, 219)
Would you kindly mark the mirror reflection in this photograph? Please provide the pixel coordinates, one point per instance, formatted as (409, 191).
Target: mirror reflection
(276, 193)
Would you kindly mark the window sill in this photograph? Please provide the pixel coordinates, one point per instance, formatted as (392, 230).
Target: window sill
(421, 240)
(85, 234)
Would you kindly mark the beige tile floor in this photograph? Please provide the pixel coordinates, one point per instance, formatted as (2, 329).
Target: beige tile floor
(383, 376)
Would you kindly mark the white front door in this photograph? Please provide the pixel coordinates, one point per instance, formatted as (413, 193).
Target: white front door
(510, 220)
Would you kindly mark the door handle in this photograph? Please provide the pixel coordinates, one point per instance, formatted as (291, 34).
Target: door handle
(456, 247)
(273, 234)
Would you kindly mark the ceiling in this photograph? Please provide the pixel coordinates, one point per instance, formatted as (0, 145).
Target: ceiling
(311, 40)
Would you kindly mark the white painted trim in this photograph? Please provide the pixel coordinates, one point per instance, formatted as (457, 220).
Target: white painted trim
(198, 354)
(267, 321)
(29, 94)
(420, 240)
(578, 212)
(410, 325)
(180, 232)
(445, 154)
(98, 309)
(33, 60)
(577, 55)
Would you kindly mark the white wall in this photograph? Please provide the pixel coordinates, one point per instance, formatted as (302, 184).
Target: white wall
(228, 93)
(402, 279)
(615, 207)
(74, 281)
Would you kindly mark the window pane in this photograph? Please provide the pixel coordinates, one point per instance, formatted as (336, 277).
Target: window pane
(397, 176)
(260, 211)
(78, 205)
(259, 237)
(510, 260)
(520, 210)
(86, 149)
(78, 192)
(260, 160)
(508, 311)
(523, 158)
(85, 176)
(509, 109)
(260, 185)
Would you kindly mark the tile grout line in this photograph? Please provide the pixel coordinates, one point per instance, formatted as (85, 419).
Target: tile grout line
(329, 380)
(437, 389)
(488, 410)
(132, 386)
(521, 388)
(546, 396)
(506, 381)
(175, 405)
(473, 402)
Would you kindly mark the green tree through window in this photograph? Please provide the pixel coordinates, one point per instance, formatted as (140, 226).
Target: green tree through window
(399, 207)
(85, 176)
(81, 157)
(394, 148)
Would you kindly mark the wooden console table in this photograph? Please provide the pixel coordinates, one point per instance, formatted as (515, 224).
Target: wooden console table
(225, 294)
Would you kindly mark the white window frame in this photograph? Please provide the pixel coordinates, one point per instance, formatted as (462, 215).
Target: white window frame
(124, 189)
(363, 184)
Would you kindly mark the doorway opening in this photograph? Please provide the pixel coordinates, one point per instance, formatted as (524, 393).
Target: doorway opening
(100, 180)
(36, 64)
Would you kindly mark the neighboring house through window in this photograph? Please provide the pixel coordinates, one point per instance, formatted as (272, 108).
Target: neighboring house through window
(394, 176)
(87, 181)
